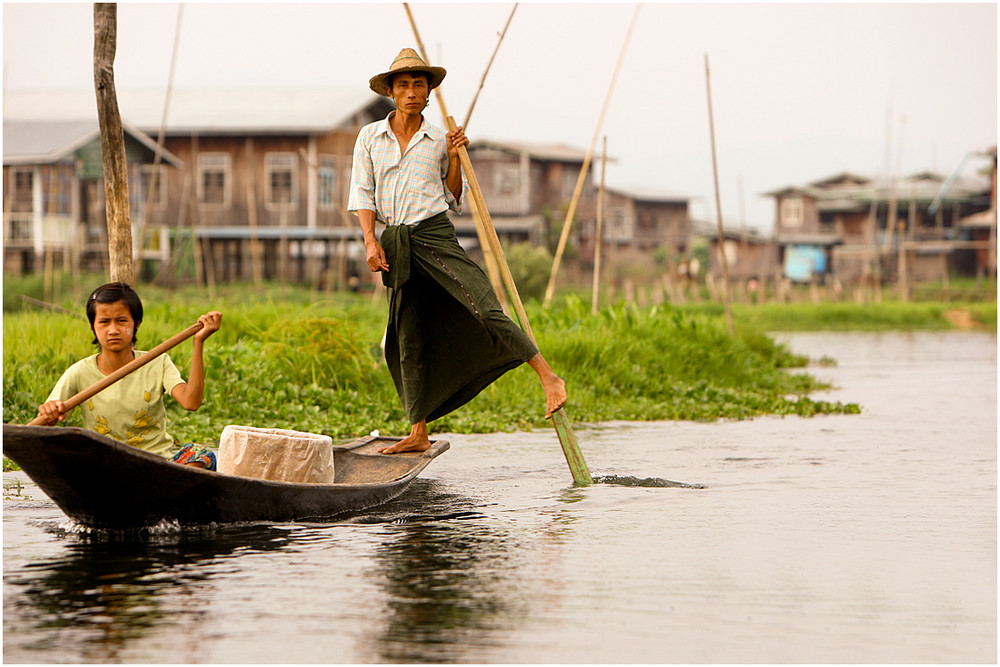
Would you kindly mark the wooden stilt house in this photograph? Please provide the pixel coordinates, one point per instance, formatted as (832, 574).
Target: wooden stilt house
(258, 176)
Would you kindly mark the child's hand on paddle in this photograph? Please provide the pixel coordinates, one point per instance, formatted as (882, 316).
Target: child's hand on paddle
(52, 412)
(211, 322)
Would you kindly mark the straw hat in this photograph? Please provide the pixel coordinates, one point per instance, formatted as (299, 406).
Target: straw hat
(406, 61)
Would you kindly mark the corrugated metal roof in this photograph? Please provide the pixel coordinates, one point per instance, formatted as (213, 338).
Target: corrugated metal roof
(553, 152)
(648, 194)
(43, 142)
(843, 179)
(32, 141)
(804, 190)
(214, 110)
(921, 186)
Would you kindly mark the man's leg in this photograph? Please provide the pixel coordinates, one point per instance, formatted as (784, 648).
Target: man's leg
(555, 388)
(417, 441)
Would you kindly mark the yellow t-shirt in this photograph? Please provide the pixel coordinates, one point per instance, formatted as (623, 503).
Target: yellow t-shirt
(131, 410)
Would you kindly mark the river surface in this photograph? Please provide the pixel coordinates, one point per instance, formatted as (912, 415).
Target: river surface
(862, 538)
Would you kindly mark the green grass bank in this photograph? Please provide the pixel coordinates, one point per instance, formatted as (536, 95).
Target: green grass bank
(288, 357)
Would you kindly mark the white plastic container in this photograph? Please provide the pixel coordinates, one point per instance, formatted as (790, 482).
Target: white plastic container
(276, 454)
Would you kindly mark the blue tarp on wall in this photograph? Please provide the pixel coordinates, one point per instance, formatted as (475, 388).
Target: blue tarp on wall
(802, 262)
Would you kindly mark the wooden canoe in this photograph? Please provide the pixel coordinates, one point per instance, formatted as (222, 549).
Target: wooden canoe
(100, 482)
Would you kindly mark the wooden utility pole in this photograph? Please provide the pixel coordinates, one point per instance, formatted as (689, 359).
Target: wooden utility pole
(112, 144)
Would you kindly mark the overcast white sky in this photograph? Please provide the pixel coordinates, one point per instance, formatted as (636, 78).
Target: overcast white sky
(799, 91)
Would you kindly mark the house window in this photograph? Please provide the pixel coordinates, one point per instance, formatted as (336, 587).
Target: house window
(646, 220)
(18, 219)
(791, 211)
(508, 181)
(24, 183)
(214, 178)
(616, 227)
(279, 169)
(327, 182)
(140, 195)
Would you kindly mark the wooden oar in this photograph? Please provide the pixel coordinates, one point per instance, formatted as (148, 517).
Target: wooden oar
(133, 365)
(571, 449)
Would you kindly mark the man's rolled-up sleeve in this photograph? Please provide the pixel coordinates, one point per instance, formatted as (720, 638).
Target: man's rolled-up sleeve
(453, 204)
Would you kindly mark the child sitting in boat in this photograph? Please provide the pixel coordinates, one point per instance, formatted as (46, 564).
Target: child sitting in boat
(131, 410)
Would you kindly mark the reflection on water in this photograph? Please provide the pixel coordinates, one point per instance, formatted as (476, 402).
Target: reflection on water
(860, 538)
(445, 588)
(106, 590)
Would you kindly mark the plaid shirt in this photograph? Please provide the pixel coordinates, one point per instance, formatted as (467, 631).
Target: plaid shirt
(401, 191)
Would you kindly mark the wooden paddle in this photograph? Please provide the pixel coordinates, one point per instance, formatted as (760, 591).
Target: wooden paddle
(133, 365)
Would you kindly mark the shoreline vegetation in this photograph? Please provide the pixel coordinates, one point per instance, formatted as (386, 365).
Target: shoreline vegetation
(291, 357)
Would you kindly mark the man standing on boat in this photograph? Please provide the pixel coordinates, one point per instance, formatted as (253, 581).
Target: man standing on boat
(447, 338)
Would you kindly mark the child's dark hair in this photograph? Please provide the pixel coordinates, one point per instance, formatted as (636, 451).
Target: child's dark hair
(110, 293)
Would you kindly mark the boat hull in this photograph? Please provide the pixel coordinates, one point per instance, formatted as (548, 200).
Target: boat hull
(100, 482)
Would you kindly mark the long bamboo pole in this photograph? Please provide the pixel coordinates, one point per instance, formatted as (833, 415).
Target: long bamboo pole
(718, 206)
(157, 155)
(133, 365)
(581, 179)
(472, 105)
(488, 256)
(49, 238)
(166, 275)
(570, 446)
(599, 232)
(199, 265)
(348, 224)
(251, 189)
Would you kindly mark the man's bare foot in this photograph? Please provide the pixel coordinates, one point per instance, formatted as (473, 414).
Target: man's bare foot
(417, 441)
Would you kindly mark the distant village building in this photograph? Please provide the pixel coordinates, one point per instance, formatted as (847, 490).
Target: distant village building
(54, 195)
(840, 226)
(645, 220)
(749, 255)
(527, 188)
(269, 169)
(242, 168)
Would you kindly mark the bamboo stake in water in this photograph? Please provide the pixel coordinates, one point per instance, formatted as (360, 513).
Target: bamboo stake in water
(551, 288)
(599, 232)
(131, 366)
(718, 207)
(154, 176)
(571, 449)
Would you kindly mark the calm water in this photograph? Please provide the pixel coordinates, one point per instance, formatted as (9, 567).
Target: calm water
(866, 538)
